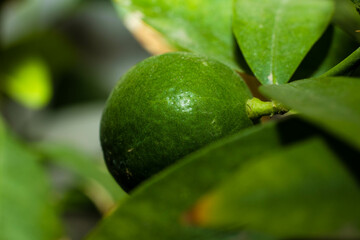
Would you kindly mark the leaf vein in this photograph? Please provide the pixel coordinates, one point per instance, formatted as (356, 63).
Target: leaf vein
(279, 11)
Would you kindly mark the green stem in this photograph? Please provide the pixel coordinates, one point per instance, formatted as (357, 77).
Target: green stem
(256, 108)
(346, 66)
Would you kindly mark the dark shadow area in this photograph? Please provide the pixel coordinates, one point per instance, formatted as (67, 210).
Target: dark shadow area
(296, 130)
(79, 214)
(247, 75)
(240, 58)
(315, 57)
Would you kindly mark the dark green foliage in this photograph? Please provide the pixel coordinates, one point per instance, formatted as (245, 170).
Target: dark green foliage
(176, 130)
(181, 186)
(332, 103)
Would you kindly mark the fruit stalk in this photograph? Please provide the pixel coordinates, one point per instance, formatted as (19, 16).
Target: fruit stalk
(256, 108)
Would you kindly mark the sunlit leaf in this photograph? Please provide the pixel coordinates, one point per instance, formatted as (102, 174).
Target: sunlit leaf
(29, 83)
(157, 209)
(275, 35)
(194, 25)
(302, 192)
(332, 103)
(26, 209)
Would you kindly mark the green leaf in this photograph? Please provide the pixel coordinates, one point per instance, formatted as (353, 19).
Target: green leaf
(332, 103)
(275, 35)
(302, 192)
(333, 47)
(29, 83)
(156, 209)
(347, 18)
(193, 25)
(345, 67)
(26, 209)
(82, 165)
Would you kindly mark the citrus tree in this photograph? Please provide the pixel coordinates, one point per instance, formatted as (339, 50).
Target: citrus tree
(246, 125)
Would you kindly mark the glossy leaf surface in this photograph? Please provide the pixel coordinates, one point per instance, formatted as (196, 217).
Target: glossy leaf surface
(332, 103)
(194, 25)
(275, 35)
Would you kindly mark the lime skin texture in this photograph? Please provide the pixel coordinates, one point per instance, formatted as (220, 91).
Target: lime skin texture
(165, 108)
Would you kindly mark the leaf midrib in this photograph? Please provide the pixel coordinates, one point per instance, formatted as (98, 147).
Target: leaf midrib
(278, 14)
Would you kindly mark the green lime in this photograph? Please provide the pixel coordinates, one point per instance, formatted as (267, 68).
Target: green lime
(165, 108)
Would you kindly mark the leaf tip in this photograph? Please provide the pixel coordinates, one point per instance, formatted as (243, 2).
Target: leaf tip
(152, 40)
(133, 21)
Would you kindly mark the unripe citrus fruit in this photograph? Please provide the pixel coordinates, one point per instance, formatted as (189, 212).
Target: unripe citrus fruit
(165, 108)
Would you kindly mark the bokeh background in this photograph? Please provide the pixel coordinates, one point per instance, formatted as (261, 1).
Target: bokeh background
(59, 61)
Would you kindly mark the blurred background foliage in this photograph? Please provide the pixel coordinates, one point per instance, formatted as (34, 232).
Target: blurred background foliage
(58, 62)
